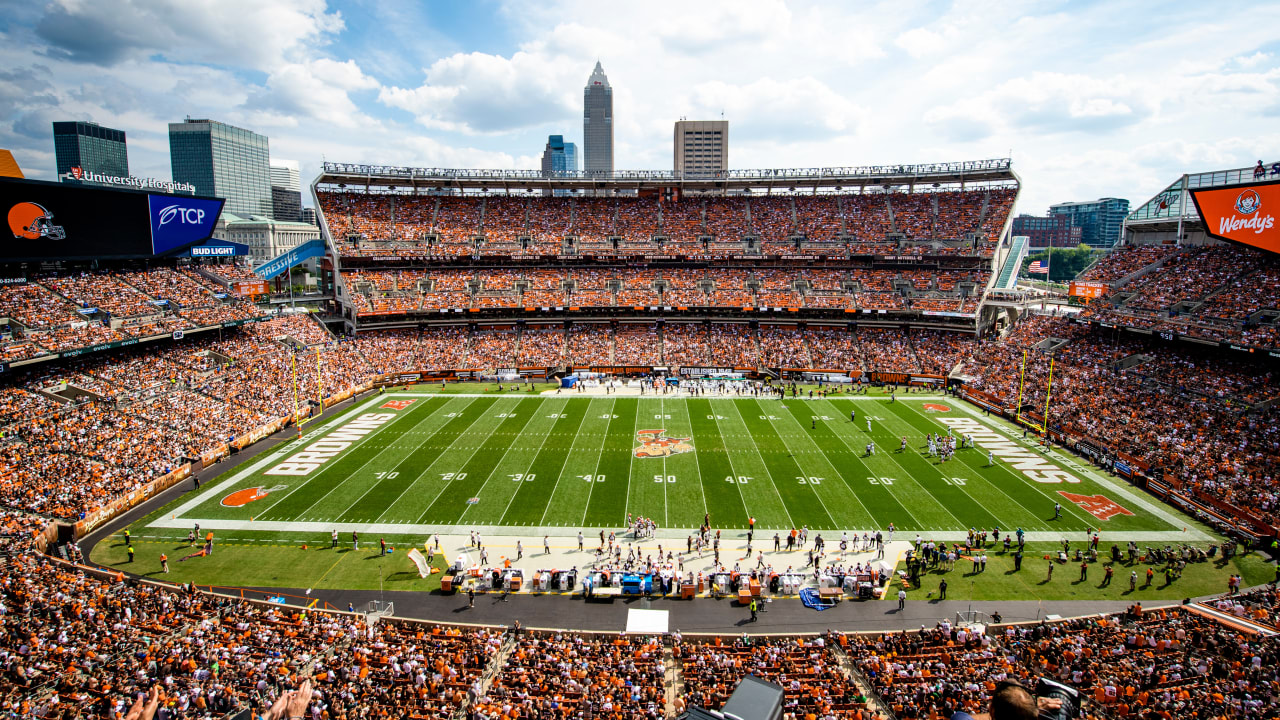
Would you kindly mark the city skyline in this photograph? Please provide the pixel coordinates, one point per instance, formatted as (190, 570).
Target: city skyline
(1090, 100)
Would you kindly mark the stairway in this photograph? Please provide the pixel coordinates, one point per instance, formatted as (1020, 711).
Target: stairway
(1009, 272)
(492, 668)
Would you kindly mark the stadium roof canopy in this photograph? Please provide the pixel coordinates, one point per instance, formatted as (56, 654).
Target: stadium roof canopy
(407, 180)
(1173, 204)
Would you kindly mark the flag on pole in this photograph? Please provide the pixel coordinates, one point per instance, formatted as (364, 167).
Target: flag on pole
(1039, 268)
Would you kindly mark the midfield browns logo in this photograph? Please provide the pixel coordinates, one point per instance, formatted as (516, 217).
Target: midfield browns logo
(1096, 505)
(240, 498)
(936, 408)
(397, 404)
(654, 444)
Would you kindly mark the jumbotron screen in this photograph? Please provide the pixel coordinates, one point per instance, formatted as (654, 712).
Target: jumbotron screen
(56, 221)
(1242, 213)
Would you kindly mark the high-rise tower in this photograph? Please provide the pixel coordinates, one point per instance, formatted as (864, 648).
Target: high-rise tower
(597, 123)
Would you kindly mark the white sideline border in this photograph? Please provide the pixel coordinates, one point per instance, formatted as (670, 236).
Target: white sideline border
(179, 520)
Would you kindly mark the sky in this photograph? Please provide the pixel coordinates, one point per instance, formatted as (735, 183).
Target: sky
(1090, 99)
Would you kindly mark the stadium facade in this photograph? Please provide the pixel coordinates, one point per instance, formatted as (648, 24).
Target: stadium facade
(830, 247)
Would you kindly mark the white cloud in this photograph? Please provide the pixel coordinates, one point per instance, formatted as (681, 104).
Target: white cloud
(1091, 100)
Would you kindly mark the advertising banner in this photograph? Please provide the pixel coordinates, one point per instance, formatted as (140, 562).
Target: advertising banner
(1242, 213)
(217, 248)
(289, 258)
(180, 221)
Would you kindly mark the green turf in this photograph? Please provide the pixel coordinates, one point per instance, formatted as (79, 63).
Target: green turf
(274, 560)
(568, 461)
(1000, 582)
(473, 456)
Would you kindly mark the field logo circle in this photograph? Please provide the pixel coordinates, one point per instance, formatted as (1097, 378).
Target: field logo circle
(936, 408)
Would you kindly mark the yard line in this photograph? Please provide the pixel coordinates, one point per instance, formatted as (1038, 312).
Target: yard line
(870, 516)
(372, 457)
(662, 410)
(461, 465)
(867, 469)
(764, 465)
(498, 466)
(907, 473)
(698, 466)
(1004, 467)
(415, 480)
(599, 454)
(787, 445)
(729, 456)
(545, 509)
(631, 461)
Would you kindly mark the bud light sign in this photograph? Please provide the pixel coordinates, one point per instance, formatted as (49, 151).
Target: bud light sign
(180, 221)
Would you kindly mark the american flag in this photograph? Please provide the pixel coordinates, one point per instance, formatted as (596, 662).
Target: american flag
(1038, 267)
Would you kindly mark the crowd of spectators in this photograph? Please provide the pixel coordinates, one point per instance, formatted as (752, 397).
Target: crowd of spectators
(572, 675)
(856, 222)
(1188, 412)
(811, 676)
(67, 311)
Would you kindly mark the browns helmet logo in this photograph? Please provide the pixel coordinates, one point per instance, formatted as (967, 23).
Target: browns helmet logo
(240, 498)
(30, 221)
(654, 444)
(936, 408)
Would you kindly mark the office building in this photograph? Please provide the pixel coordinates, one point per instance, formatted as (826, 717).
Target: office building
(701, 146)
(559, 156)
(90, 147)
(223, 161)
(1052, 231)
(597, 123)
(1100, 221)
(286, 192)
(308, 216)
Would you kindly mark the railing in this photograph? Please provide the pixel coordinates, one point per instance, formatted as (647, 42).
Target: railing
(865, 171)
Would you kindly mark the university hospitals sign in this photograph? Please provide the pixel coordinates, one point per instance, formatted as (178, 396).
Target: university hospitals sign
(79, 174)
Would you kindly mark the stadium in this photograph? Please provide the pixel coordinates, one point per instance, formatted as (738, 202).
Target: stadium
(337, 440)
(790, 387)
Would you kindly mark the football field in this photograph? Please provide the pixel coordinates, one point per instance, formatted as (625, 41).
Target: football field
(410, 463)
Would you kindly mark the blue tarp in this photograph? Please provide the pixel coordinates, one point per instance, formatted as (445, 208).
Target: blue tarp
(809, 597)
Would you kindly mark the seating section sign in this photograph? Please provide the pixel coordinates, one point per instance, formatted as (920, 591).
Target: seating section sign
(1242, 213)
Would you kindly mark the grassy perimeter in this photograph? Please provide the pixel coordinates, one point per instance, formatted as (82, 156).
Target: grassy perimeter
(1000, 582)
(274, 560)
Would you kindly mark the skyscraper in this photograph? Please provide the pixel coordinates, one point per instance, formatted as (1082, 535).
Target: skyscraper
(597, 122)
(223, 161)
(286, 192)
(701, 146)
(91, 147)
(559, 156)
